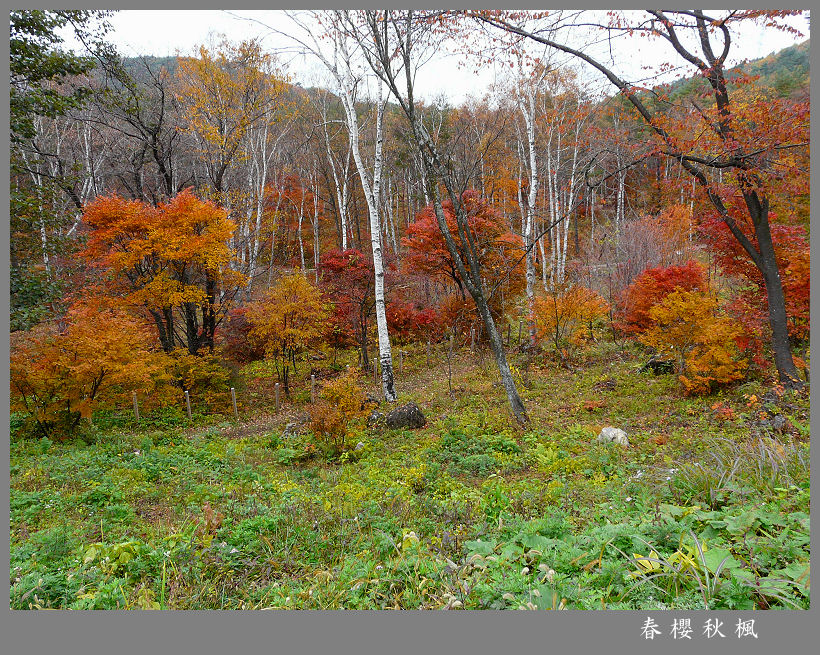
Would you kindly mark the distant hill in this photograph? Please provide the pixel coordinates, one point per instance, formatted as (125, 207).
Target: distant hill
(784, 71)
(135, 64)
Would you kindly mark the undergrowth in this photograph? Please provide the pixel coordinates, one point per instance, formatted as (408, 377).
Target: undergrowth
(702, 510)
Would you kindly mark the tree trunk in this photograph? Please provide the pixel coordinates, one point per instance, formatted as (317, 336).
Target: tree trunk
(528, 209)
(475, 287)
(435, 173)
(778, 320)
(371, 190)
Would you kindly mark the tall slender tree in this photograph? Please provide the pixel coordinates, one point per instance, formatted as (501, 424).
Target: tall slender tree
(340, 64)
(394, 43)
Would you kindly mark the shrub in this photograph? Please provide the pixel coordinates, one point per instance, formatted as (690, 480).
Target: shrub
(650, 288)
(239, 344)
(469, 452)
(688, 328)
(339, 404)
(410, 322)
(566, 316)
(203, 376)
(60, 376)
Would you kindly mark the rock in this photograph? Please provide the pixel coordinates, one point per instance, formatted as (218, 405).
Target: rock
(376, 419)
(658, 366)
(769, 398)
(612, 435)
(359, 446)
(406, 416)
(764, 424)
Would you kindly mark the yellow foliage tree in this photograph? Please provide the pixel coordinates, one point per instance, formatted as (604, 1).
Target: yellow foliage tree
(288, 320)
(339, 404)
(566, 316)
(689, 329)
(225, 93)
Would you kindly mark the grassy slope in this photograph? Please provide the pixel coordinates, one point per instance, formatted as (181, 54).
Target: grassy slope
(226, 515)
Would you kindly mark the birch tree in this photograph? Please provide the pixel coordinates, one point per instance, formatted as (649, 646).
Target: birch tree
(340, 64)
(394, 44)
(525, 91)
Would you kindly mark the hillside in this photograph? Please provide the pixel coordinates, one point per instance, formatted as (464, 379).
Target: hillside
(783, 71)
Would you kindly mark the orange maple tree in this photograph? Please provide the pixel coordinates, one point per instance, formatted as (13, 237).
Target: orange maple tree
(651, 287)
(791, 247)
(172, 261)
(567, 316)
(500, 254)
(689, 328)
(61, 374)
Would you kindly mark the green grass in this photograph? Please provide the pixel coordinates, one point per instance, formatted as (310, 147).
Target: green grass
(468, 512)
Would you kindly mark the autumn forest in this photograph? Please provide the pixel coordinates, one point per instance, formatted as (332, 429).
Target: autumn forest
(337, 344)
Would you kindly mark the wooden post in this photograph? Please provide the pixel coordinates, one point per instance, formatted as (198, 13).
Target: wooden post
(233, 400)
(312, 388)
(428, 353)
(136, 407)
(472, 340)
(520, 325)
(375, 373)
(401, 362)
(276, 395)
(188, 404)
(509, 331)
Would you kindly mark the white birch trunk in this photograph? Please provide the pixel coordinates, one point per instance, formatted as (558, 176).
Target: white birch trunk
(274, 227)
(261, 182)
(301, 216)
(570, 201)
(316, 227)
(340, 185)
(528, 207)
(371, 193)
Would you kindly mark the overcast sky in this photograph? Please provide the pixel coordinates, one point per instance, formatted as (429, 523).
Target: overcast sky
(169, 32)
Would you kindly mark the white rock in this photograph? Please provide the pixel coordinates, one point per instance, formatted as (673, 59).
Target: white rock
(613, 435)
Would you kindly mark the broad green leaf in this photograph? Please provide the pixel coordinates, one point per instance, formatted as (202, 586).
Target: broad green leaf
(739, 525)
(480, 546)
(90, 554)
(713, 557)
(535, 541)
(798, 571)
